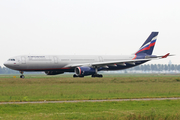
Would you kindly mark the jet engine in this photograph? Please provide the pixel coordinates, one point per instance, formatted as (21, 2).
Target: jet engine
(53, 72)
(84, 71)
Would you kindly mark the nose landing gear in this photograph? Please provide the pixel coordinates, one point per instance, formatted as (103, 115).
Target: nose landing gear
(22, 76)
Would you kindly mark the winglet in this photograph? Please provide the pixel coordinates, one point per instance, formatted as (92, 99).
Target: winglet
(165, 56)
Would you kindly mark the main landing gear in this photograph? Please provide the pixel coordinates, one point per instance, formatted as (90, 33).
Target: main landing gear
(95, 75)
(22, 76)
(74, 76)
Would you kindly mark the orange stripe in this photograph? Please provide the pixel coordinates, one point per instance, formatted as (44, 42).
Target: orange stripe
(134, 57)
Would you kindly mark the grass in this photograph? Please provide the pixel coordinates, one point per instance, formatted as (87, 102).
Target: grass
(128, 110)
(40, 88)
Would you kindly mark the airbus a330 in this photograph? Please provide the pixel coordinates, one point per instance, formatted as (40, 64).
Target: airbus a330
(84, 65)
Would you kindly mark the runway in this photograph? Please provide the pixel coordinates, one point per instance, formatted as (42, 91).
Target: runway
(76, 101)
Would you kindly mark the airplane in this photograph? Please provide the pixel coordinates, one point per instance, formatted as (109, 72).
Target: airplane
(84, 65)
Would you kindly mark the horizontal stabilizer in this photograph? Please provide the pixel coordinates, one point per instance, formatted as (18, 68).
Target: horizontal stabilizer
(165, 56)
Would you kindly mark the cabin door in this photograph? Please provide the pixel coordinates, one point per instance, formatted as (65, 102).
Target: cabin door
(23, 60)
(100, 59)
(55, 60)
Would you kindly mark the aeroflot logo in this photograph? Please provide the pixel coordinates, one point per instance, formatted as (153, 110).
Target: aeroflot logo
(148, 45)
(36, 56)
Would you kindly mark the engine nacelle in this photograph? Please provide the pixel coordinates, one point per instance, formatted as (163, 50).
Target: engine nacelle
(83, 71)
(53, 72)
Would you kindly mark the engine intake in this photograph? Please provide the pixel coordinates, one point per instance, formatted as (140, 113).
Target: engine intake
(53, 72)
(84, 71)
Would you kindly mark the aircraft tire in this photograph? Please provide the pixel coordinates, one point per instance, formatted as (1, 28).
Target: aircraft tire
(22, 76)
(74, 76)
(100, 75)
(81, 76)
(93, 76)
(97, 75)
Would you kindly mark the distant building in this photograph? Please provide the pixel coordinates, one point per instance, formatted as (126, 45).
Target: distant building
(170, 63)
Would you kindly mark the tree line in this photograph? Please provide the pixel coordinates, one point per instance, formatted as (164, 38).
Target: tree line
(144, 68)
(157, 67)
(5, 70)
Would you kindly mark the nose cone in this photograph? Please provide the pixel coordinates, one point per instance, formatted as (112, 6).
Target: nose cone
(11, 65)
(6, 63)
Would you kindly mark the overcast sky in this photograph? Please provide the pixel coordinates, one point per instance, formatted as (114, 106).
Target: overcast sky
(88, 27)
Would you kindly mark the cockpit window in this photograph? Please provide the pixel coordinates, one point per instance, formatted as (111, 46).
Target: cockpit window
(11, 59)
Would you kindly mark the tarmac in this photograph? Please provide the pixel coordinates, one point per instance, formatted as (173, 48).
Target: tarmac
(76, 101)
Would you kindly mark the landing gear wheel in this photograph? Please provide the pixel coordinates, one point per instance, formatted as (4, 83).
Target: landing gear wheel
(74, 76)
(100, 76)
(77, 76)
(97, 75)
(22, 76)
(81, 76)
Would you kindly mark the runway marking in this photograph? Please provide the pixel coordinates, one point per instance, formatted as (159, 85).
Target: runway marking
(76, 101)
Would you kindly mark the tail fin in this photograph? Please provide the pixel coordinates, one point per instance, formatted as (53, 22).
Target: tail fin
(148, 46)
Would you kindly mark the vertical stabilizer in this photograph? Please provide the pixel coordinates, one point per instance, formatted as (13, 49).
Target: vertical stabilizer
(148, 46)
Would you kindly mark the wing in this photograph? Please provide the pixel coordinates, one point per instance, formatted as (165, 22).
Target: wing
(121, 62)
(108, 63)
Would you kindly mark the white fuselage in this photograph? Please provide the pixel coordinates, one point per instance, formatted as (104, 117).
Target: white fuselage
(84, 65)
(53, 62)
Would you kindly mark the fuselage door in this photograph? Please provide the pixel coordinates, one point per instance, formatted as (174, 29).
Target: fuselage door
(23, 60)
(55, 60)
(100, 59)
